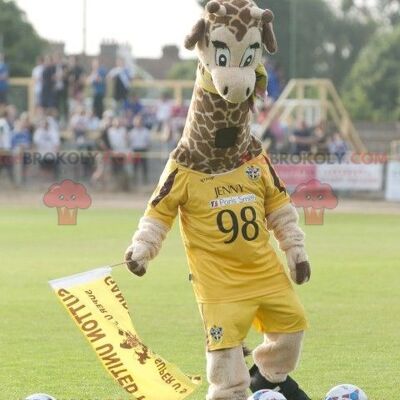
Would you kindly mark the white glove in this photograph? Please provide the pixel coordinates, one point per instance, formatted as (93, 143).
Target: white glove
(135, 258)
(284, 224)
(146, 244)
(299, 267)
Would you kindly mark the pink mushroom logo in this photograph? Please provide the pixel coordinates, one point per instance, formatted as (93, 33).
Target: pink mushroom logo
(67, 196)
(314, 197)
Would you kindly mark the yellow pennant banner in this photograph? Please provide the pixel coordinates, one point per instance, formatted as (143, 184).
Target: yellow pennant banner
(99, 309)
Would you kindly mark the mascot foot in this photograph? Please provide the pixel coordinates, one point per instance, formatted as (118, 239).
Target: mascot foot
(289, 388)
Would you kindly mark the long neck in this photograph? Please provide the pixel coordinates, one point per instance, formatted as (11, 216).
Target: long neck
(216, 137)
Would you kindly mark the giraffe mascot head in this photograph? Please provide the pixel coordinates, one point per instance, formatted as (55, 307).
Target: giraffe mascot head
(229, 40)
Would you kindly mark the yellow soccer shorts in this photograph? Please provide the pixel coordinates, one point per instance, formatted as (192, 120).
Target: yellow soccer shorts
(227, 324)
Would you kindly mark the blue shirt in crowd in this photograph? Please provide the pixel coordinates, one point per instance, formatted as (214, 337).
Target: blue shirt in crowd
(3, 77)
(274, 85)
(135, 107)
(21, 139)
(99, 86)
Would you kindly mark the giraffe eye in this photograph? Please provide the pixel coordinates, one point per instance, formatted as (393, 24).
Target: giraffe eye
(248, 57)
(222, 57)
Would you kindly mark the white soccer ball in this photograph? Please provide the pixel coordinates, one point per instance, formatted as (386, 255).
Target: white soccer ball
(40, 396)
(346, 392)
(267, 394)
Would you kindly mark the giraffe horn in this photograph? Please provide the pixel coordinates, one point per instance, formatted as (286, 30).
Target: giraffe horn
(213, 7)
(256, 12)
(265, 15)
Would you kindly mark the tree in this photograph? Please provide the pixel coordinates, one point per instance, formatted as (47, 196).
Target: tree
(372, 90)
(327, 43)
(391, 9)
(384, 11)
(21, 43)
(183, 70)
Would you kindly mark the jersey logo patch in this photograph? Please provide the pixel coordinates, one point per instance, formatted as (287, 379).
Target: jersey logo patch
(216, 333)
(231, 201)
(253, 173)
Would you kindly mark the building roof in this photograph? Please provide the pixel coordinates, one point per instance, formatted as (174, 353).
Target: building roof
(158, 68)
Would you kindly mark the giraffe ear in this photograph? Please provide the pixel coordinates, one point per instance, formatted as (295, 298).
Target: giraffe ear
(196, 35)
(268, 35)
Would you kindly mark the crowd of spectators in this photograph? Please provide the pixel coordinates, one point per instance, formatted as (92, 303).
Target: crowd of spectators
(61, 85)
(73, 113)
(295, 137)
(302, 138)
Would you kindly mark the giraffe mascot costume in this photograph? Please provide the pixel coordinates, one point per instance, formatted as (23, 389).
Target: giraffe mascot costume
(229, 199)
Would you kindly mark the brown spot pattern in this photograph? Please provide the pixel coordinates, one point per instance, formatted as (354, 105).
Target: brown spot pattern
(238, 19)
(197, 148)
(245, 16)
(166, 189)
(241, 29)
(218, 115)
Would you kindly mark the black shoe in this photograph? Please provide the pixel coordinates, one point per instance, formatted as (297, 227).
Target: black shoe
(289, 388)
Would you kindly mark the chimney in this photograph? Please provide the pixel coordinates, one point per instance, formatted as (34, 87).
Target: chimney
(171, 53)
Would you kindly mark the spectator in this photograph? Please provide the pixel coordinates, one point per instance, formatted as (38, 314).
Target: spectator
(117, 136)
(105, 125)
(11, 116)
(301, 139)
(319, 142)
(275, 85)
(47, 141)
(176, 126)
(4, 85)
(61, 88)
(37, 76)
(274, 136)
(76, 78)
(93, 123)
(22, 142)
(164, 112)
(21, 136)
(27, 123)
(79, 125)
(121, 76)
(132, 107)
(48, 98)
(337, 146)
(97, 79)
(6, 161)
(104, 146)
(118, 140)
(139, 140)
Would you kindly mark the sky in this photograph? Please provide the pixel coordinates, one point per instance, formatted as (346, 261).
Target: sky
(146, 25)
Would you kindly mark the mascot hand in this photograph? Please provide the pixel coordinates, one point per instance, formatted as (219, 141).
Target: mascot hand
(300, 270)
(135, 257)
(146, 243)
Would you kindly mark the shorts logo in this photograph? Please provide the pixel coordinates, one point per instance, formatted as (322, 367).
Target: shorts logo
(253, 173)
(216, 332)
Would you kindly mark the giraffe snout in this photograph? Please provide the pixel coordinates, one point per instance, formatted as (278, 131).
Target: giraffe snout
(234, 84)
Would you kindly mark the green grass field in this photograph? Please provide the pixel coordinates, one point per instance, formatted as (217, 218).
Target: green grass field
(353, 304)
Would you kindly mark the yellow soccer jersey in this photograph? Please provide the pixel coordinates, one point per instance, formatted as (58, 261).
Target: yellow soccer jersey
(223, 227)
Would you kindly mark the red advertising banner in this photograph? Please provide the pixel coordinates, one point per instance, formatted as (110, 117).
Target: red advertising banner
(295, 174)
